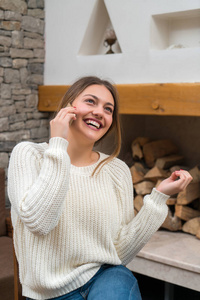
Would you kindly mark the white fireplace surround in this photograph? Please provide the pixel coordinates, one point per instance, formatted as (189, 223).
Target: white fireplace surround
(157, 40)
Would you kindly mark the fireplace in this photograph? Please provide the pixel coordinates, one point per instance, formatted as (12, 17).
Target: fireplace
(171, 112)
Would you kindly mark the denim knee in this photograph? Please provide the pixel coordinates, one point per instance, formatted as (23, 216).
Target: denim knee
(116, 282)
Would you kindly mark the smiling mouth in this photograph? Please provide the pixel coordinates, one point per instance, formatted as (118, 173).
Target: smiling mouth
(93, 123)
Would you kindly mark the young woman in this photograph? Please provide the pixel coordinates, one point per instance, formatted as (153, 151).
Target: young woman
(72, 207)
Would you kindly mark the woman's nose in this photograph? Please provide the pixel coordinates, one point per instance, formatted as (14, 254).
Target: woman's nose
(98, 111)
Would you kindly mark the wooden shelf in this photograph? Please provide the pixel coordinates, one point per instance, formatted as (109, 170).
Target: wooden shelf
(167, 99)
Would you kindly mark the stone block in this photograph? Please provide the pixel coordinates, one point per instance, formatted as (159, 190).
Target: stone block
(17, 118)
(6, 102)
(5, 91)
(44, 123)
(19, 63)
(13, 16)
(5, 62)
(11, 25)
(32, 24)
(3, 160)
(32, 100)
(17, 39)
(32, 4)
(40, 132)
(4, 124)
(1, 71)
(33, 43)
(18, 98)
(5, 41)
(36, 13)
(33, 35)
(36, 68)
(40, 3)
(5, 32)
(21, 91)
(17, 126)
(6, 111)
(37, 115)
(14, 5)
(21, 53)
(23, 75)
(7, 146)
(15, 86)
(11, 75)
(2, 15)
(32, 124)
(19, 105)
(15, 136)
(39, 53)
(35, 79)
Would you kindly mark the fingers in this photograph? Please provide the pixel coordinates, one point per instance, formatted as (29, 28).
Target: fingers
(61, 123)
(184, 178)
(71, 111)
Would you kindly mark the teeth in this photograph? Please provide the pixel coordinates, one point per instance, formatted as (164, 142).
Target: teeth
(91, 122)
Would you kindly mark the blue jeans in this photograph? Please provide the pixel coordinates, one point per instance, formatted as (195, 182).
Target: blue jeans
(109, 283)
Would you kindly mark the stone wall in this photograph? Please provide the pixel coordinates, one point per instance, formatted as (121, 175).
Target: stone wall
(21, 71)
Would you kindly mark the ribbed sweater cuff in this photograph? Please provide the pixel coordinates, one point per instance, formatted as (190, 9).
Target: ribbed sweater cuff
(158, 196)
(58, 142)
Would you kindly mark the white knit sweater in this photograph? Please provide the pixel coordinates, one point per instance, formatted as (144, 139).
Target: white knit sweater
(68, 223)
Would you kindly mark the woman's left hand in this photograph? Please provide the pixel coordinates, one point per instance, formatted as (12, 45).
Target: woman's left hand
(176, 183)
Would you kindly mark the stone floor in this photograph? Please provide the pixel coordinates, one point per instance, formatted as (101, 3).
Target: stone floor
(153, 289)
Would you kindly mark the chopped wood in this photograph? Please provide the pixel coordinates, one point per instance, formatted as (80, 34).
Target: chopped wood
(172, 222)
(189, 194)
(137, 171)
(151, 163)
(195, 173)
(192, 226)
(137, 151)
(171, 201)
(168, 161)
(139, 166)
(141, 141)
(158, 182)
(157, 149)
(138, 202)
(175, 168)
(186, 213)
(144, 187)
(155, 173)
(137, 176)
(198, 233)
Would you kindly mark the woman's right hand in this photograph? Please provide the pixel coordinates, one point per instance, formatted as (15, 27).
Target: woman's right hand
(60, 124)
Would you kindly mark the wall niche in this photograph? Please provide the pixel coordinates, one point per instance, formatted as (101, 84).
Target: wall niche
(175, 30)
(99, 30)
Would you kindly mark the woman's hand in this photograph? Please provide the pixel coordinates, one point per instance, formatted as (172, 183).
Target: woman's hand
(176, 183)
(60, 124)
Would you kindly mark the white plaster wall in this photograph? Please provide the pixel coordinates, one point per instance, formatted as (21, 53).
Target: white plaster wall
(66, 25)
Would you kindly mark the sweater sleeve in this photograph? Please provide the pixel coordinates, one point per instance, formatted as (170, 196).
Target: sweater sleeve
(135, 231)
(38, 182)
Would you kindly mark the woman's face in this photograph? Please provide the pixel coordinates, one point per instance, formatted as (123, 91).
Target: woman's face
(94, 106)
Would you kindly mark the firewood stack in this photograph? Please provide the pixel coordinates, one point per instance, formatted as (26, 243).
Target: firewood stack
(154, 161)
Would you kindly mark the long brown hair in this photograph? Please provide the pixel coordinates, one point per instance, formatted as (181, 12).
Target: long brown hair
(76, 89)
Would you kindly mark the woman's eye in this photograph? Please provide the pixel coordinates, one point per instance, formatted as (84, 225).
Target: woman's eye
(109, 109)
(90, 101)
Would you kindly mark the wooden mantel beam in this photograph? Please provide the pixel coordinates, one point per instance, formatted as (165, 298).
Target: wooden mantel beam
(174, 99)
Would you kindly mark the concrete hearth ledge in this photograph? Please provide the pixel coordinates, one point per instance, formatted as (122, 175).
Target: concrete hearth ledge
(174, 248)
(172, 257)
